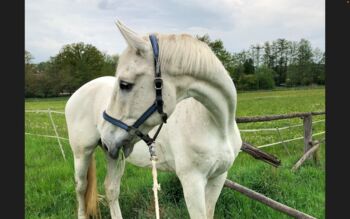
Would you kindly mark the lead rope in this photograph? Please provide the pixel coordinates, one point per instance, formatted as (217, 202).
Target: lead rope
(156, 186)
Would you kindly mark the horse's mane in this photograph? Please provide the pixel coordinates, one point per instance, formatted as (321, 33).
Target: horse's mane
(184, 54)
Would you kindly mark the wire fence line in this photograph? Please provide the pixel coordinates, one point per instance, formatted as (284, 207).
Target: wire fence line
(58, 139)
(49, 112)
(44, 111)
(261, 146)
(46, 136)
(277, 129)
(288, 140)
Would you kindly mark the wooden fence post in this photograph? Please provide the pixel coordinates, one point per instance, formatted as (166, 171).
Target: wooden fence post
(307, 132)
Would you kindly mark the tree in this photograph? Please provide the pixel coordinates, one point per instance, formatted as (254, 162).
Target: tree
(249, 66)
(268, 57)
(318, 70)
(304, 59)
(265, 78)
(281, 54)
(217, 46)
(256, 54)
(305, 55)
(75, 65)
(293, 76)
(29, 75)
(109, 65)
(293, 52)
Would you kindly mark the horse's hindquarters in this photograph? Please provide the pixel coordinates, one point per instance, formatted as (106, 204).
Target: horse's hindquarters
(82, 111)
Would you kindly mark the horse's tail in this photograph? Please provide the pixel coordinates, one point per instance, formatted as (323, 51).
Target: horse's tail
(91, 194)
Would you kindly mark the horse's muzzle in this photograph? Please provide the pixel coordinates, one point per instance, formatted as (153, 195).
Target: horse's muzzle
(113, 152)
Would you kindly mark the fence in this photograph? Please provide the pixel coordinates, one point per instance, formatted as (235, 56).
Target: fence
(307, 123)
(56, 136)
(310, 148)
(306, 116)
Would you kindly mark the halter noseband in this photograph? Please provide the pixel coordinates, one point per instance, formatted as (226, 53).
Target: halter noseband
(156, 106)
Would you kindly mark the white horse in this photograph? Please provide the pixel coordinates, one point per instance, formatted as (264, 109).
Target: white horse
(199, 142)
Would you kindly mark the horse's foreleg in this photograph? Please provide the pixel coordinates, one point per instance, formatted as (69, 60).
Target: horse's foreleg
(81, 165)
(193, 185)
(115, 170)
(212, 193)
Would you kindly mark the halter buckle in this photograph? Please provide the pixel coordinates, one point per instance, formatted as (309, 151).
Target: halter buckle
(158, 83)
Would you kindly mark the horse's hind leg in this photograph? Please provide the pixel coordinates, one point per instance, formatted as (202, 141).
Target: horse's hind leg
(115, 170)
(82, 159)
(212, 193)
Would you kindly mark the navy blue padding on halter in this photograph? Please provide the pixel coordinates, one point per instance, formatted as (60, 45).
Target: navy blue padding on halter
(115, 122)
(156, 106)
(145, 115)
(138, 122)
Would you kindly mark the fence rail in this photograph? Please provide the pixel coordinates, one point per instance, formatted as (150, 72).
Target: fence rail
(276, 117)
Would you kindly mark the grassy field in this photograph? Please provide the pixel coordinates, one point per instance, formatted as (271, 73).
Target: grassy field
(49, 181)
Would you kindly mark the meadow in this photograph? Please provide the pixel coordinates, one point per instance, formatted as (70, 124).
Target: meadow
(49, 180)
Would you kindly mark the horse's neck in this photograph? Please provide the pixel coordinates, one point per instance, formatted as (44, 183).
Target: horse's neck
(217, 94)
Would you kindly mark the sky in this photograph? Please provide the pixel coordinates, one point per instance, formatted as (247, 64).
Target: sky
(51, 24)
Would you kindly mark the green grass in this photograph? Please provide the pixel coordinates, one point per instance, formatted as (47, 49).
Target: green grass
(49, 184)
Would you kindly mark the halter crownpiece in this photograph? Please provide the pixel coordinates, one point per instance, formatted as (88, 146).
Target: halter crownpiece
(156, 106)
(158, 81)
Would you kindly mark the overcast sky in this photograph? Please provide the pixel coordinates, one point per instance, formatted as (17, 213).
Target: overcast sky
(50, 24)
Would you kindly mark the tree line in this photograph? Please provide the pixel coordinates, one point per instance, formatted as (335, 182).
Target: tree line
(64, 73)
(277, 63)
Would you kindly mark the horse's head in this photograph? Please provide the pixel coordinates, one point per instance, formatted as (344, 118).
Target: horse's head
(134, 93)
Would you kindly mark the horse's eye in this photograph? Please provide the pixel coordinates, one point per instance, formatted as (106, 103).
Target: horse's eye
(125, 85)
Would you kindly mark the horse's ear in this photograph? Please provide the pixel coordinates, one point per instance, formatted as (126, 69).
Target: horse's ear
(132, 38)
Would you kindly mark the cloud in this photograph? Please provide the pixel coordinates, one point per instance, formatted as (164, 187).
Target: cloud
(51, 24)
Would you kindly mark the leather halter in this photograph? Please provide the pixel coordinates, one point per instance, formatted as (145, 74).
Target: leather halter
(156, 106)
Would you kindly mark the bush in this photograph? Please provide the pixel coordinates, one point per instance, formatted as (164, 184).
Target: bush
(265, 77)
(248, 82)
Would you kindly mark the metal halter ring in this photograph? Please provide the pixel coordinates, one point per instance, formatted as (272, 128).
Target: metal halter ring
(158, 83)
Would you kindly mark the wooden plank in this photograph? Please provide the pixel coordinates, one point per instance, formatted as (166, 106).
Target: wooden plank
(306, 155)
(260, 155)
(268, 201)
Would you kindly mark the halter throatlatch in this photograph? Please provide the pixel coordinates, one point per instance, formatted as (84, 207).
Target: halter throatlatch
(156, 106)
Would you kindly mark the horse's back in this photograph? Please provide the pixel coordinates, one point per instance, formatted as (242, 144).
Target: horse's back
(83, 110)
(88, 93)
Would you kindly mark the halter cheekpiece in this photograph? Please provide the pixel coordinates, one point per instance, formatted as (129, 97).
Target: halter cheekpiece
(156, 106)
